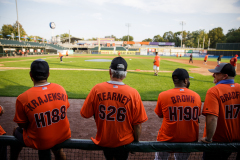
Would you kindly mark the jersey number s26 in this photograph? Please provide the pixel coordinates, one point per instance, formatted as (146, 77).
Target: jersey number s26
(51, 117)
(121, 113)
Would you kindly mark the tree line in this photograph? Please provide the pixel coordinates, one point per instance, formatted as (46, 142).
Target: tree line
(189, 39)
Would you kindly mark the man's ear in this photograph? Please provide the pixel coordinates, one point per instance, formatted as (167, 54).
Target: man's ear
(225, 76)
(110, 73)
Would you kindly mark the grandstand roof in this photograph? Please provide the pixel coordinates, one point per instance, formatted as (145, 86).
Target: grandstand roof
(72, 39)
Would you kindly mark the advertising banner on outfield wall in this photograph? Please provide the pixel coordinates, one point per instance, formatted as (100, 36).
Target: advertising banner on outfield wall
(143, 51)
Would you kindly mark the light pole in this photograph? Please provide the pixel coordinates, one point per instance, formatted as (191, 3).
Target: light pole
(128, 25)
(182, 23)
(17, 22)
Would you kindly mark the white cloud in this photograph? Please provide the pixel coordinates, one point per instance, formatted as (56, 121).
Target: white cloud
(97, 16)
(238, 19)
(7, 2)
(177, 6)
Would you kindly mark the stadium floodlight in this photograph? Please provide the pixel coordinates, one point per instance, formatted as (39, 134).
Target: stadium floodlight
(128, 25)
(17, 22)
(182, 23)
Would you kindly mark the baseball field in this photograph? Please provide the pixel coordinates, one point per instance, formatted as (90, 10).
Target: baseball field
(78, 76)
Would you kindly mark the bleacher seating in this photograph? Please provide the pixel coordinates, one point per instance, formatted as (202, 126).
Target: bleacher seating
(120, 49)
(107, 48)
(35, 44)
(57, 47)
(12, 42)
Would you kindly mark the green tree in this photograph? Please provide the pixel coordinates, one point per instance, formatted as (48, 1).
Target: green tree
(177, 39)
(233, 36)
(116, 39)
(125, 38)
(147, 40)
(64, 35)
(8, 29)
(158, 38)
(168, 36)
(216, 36)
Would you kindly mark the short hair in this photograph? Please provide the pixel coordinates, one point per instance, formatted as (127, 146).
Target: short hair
(118, 74)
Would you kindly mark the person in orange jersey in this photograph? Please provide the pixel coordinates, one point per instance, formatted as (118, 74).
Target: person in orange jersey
(118, 111)
(3, 149)
(119, 54)
(233, 62)
(180, 108)
(66, 53)
(221, 108)
(41, 114)
(205, 59)
(156, 64)
(60, 56)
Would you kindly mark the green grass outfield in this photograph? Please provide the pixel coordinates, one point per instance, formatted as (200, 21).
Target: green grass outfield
(78, 83)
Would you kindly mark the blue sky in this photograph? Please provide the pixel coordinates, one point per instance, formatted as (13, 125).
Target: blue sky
(100, 18)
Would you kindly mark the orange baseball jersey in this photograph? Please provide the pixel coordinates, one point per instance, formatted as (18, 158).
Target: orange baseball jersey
(116, 109)
(1, 129)
(223, 101)
(157, 60)
(60, 54)
(206, 57)
(180, 108)
(44, 108)
(233, 61)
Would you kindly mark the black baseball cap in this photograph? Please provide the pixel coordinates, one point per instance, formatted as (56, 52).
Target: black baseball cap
(39, 69)
(180, 73)
(119, 64)
(225, 68)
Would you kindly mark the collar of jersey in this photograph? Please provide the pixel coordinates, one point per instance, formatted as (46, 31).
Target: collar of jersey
(226, 81)
(115, 82)
(42, 85)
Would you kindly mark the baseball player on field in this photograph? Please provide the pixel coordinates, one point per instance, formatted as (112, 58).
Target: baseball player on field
(118, 112)
(221, 108)
(180, 108)
(41, 114)
(3, 149)
(156, 64)
(205, 59)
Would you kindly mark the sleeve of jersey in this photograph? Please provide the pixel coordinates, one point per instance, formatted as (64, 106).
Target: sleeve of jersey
(87, 109)
(20, 115)
(158, 109)
(140, 114)
(211, 105)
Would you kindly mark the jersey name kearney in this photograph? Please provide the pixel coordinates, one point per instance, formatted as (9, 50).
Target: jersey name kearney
(34, 103)
(113, 96)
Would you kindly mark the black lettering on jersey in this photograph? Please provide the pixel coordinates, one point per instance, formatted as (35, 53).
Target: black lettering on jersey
(183, 98)
(40, 101)
(99, 97)
(109, 97)
(178, 98)
(34, 102)
(104, 95)
(128, 99)
(192, 99)
(172, 113)
(54, 95)
(119, 97)
(58, 96)
(30, 107)
(39, 120)
(229, 96)
(64, 97)
(114, 96)
(237, 95)
(232, 111)
(123, 99)
(222, 98)
(46, 99)
(188, 98)
(173, 100)
(50, 97)
(226, 97)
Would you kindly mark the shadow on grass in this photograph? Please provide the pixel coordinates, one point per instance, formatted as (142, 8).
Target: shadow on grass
(13, 90)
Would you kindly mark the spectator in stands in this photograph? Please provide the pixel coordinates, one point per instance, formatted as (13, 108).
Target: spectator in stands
(3, 149)
(118, 120)
(221, 108)
(179, 107)
(41, 114)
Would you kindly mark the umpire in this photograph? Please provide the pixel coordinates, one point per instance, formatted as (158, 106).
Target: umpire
(221, 108)
(118, 112)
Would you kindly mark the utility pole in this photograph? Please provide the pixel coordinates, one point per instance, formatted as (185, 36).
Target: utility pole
(208, 43)
(198, 43)
(182, 23)
(17, 22)
(128, 25)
